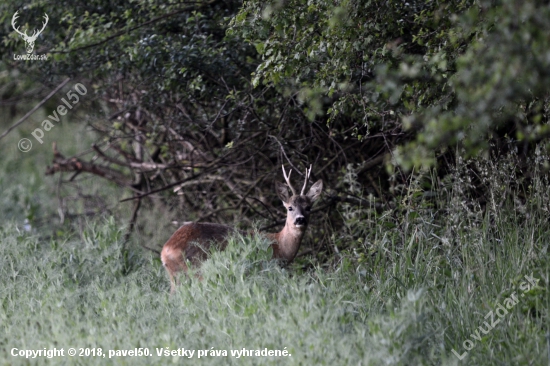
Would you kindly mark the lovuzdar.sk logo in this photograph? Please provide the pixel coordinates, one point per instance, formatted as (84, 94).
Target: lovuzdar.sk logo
(29, 40)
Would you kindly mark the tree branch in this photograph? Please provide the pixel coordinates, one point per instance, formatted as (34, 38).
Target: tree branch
(29, 113)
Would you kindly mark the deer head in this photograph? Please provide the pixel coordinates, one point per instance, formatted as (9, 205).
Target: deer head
(29, 40)
(298, 206)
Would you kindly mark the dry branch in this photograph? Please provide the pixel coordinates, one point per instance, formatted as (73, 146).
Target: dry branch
(62, 164)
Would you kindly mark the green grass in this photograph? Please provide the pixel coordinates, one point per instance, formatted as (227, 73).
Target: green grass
(417, 282)
(411, 309)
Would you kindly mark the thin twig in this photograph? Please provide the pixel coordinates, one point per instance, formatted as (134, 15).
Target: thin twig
(158, 190)
(132, 222)
(29, 113)
(284, 153)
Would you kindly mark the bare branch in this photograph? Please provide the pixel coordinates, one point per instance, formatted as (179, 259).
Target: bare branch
(62, 164)
(132, 164)
(35, 108)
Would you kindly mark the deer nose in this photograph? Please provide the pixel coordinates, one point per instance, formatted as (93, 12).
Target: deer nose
(300, 220)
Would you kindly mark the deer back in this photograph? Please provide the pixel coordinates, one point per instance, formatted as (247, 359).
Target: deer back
(192, 241)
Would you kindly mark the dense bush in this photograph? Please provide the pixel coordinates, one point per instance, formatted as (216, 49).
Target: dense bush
(209, 99)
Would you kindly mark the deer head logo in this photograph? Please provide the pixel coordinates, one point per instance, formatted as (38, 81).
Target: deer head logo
(29, 40)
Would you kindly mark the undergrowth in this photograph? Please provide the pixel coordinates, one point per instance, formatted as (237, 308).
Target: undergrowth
(423, 281)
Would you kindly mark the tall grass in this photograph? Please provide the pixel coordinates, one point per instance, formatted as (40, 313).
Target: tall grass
(418, 281)
(409, 308)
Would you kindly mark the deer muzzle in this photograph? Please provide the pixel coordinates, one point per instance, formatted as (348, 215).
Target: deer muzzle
(300, 221)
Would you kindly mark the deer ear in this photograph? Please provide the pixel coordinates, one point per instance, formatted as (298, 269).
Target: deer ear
(315, 190)
(282, 192)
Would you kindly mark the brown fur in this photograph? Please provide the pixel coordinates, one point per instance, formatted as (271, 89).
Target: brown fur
(191, 242)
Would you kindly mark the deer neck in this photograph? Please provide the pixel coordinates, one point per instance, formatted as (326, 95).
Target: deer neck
(287, 242)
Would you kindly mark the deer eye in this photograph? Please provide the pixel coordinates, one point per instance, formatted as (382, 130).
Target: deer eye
(308, 208)
(290, 208)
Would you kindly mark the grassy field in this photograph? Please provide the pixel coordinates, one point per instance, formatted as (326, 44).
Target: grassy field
(423, 281)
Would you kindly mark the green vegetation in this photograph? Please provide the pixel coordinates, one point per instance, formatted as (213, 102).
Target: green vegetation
(410, 310)
(424, 287)
(427, 121)
(218, 94)
(440, 72)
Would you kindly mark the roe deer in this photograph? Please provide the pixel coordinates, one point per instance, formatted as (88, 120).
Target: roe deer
(191, 241)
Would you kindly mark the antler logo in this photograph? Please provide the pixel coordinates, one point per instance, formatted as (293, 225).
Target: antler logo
(29, 40)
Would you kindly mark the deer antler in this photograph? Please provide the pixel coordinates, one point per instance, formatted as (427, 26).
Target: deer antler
(13, 19)
(35, 34)
(288, 180)
(308, 172)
